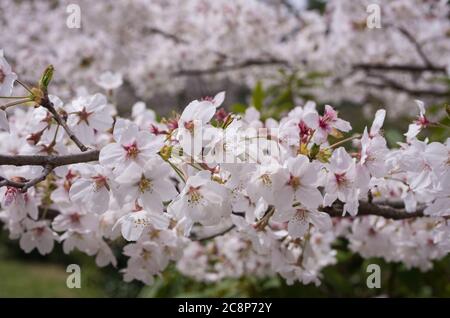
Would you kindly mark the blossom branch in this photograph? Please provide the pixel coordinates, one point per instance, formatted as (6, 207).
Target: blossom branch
(226, 68)
(55, 161)
(390, 84)
(46, 103)
(24, 186)
(416, 45)
(366, 208)
(399, 68)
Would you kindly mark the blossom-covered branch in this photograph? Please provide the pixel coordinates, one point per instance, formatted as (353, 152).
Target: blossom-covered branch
(278, 191)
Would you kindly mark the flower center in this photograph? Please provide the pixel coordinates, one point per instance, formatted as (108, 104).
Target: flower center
(83, 115)
(265, 178)
(146, 255)
(189, 126)
(10, 195)
(423, 121)
(39, 230)
(75, 218)
(300, 215)
(341, 180)
(145, 184)
(323, 122)
(208, 98)
(132, 150)
(294, 182)
(194, 195)
(100, 182)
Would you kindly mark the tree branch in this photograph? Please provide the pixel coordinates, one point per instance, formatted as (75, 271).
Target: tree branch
(388, 83)
(46, 103)
(399, 68)
(222, 232)
(167, 35)
(416, 45)
(233, 67)
(24, 186)
(366, 208)
(54, 161)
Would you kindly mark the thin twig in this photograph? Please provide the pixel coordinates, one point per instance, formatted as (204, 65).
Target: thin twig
(205, 238)
(24, 186)
(24, 86)
(47, 170)
(46, 103)
(399, 68)
(233, 67)
(14, 103)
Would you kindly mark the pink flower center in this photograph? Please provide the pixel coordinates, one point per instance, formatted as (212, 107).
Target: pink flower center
(83, 115)
(39, 230)
(423, 121)
(75, 218)
(340, 178)
(100, 182)
(208, 99)
(189, 125)
(10, 195)
(294, 182)
(323, 122)
(300, 215)
(305, 131)
(132, 150)
(194, 195)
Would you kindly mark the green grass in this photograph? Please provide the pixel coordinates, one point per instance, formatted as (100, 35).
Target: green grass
(32, 279)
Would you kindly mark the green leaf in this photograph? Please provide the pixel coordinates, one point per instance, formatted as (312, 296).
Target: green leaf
(258, 96)
(238, 108)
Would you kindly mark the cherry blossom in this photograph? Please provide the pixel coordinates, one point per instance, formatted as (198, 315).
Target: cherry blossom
(7, 77)
(88, 115)
(265, 196)
(109, 81)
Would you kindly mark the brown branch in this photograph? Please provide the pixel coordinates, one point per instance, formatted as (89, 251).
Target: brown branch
(399, 68)
(205, 238)
(366, 208)
(47, 170)
(24, 186)
(233, 67)
(167, 35)
(416, 45)
(388, 83)
(54, 161)
(46, 103)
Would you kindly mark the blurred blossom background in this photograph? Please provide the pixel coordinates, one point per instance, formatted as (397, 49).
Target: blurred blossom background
(269, 54)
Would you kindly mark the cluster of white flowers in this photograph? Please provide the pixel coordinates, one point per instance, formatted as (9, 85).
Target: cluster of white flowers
(272, 187)
(160, 45)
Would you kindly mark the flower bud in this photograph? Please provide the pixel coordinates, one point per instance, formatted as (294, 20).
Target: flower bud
(46, 77)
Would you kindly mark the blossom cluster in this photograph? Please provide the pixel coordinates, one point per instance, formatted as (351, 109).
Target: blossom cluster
(159, 46)
(273, 195)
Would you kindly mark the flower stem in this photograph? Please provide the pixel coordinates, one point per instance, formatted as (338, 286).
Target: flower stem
(24, 86)
(344, 141)
(17, 102)
(13, 97)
